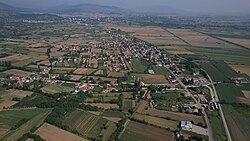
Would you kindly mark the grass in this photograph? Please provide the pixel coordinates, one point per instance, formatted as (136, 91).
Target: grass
(217, 126)
(229, 92)
(140, 132)
(35, 118)
(219, 71)
(87, 124)
(113, 114)
(139, 66)
(237, 117)
(160, 70)
(53, 88)
(167, 100)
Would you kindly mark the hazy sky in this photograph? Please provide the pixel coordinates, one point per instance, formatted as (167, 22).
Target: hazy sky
(214, 6)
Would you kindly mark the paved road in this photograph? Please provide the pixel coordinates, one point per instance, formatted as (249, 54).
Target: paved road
(216, 99)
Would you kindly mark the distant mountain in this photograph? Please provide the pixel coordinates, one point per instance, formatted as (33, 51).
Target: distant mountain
(93, 9)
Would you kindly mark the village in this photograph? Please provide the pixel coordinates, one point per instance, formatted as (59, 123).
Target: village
(111, 66)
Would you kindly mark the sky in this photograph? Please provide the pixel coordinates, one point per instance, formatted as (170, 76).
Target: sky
(206, 6)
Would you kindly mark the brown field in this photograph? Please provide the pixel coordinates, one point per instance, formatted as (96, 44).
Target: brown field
(53, 133)
(113, 119)
(56, 53)
(45, 62)
(181, 52)
(199, 39)
(93, 63)
(63, 69)
(75, 77)
(104, 105)
(85, 71)
(39, 45)
(162, 40)
(16, 57)
(141, 106)
(152, 79)
(18, 72)
(128, 53)
(116, 74)
(127, 95)
(141, 132)
(246, 94)
(17, 93)
(7, 104)
(176, 116)
(36, 67)
(128, 104)
(38, 50)
(97, 51)
(176, 49)
(241, 68)
(243, 42)
(173, 125)
(108, 132)
(3, 131)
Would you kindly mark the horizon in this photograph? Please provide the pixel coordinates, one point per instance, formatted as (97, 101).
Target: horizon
(191, 6)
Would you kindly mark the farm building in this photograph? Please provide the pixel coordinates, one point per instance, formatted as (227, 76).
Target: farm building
(186, 125)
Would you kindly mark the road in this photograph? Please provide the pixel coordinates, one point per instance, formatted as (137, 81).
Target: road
(216, 99)
(209, 128)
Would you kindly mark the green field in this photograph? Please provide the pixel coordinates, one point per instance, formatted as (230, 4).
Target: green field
(229, 92)
(22, 120)
(166, 100)
(87, 124)
(217, 126)
(139, 66)
(237, 117)
(160, 70)
(113, 114)
(52, 89)
(230, 55)
(219, 71)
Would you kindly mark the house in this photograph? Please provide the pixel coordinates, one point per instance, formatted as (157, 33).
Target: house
(186, 125)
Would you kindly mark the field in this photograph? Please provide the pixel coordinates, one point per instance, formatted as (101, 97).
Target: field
(18, 72)
(241, 69)
(243, 42)
(33, 118)
(173, 125)
(217, 126)
(152, 78)
(128, 104)
(89, 125)
(7, 104)
(141, 106)
(165, 101)
(52, 133)
(104, 105)
(9, 94)
(140, 132)
(108, 132)
(176, 116)
(173, 49)
(139, 66)
(229, 92)
(116, 74)
(160, 70)
(86, 71)
(199, 39)
(53, 88)
(219, 71)
(238, 121)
